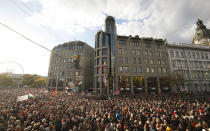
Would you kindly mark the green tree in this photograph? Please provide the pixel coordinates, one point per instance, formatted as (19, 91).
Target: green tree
(6, 80)
(34, 80)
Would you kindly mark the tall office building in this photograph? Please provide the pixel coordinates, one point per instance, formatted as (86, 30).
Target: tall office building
(61, 67)
(132, 64)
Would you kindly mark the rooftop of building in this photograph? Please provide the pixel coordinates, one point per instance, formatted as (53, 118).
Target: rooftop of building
(73, 42)
(186, 45)
(143, 38)
(110, 18)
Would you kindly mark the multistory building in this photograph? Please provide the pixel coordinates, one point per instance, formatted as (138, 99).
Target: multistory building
(132, 64)
(192, 62)
(62, 70)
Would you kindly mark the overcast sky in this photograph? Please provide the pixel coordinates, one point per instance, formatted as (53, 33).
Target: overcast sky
(53, 22)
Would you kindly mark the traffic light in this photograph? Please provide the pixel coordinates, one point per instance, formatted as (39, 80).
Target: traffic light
(76, 61)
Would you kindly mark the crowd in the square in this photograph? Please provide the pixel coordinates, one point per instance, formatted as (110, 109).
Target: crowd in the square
(63, 112)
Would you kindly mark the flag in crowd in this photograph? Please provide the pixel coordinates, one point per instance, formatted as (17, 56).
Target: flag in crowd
(30, 95)
(55, 92)
(117, 92)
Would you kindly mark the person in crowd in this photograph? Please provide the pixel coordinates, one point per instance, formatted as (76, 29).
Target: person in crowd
(62, 112)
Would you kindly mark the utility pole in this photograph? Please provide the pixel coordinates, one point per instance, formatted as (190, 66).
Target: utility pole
(110, 67)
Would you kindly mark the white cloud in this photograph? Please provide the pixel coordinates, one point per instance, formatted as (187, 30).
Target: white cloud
(173, 20)
(168, 19)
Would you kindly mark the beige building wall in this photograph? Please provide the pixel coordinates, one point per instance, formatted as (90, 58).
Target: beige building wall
(61, 67)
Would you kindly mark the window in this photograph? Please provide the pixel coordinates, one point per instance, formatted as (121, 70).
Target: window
(146, 52)
(120, 50)
(139, 60)
(182, 54)
(159, 46)
(139, 69)
(121, 69)
(104, 69)
(125, 69)
(98, 52)
(150, 53)
(98, 61)
(206, 55)
(164, 70)
(98, 70)
(71, 47)
(160, 70)
(64, 47)
(148, 45)
(122, 42)
(104, 60)
(188, 54)
(147, 61)
(171, 53)
(198, 55)
(134, 60)
(120, 60)
(159, 62)
(134, 69)
(126, 60)
(147, 69)
(133, 52)
(152, 62)
(177, 53)
(162, 54)
(70, 60)
(125, 51)
(202, 56)
(135, 43)
(153, 70)
(158, 53)
(164, 62)
(106, 40)
(80, 47)
(193, 55)
(138, 52)
(104, 52)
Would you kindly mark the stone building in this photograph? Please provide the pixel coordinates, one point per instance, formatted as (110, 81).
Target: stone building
(192, 62)
(202, 34)
(62, 71)
(136, 65)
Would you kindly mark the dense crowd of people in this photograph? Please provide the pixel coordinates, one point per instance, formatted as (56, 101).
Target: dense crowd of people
(64, 112)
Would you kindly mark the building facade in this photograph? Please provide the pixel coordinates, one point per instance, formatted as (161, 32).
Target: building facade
(132, 64)
(202, 34)
(192, 62)
(62, 70)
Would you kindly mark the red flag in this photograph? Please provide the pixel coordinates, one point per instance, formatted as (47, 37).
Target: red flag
(55, 92)
(117, 92)
(174, 113)
(200, 111)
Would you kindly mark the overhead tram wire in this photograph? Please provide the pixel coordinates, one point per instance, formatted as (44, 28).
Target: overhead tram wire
(25, 37)
(51, 51)
(44, 27)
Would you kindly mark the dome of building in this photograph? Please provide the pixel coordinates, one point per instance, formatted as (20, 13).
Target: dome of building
(110, 18)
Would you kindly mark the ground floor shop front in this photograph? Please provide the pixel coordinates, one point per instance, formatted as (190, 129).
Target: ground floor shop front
(132, 85)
